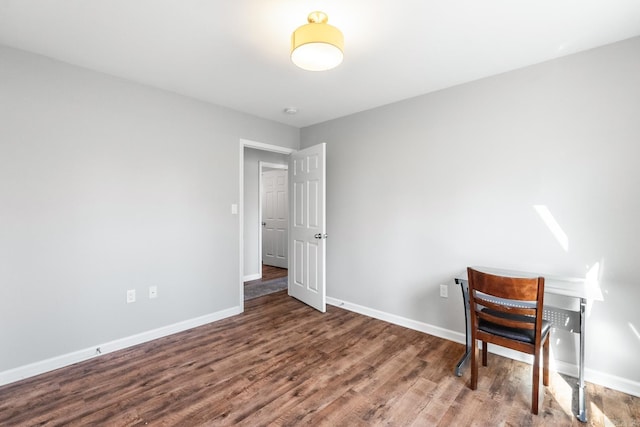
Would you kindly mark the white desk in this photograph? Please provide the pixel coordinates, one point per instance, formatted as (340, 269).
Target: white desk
(573, 320)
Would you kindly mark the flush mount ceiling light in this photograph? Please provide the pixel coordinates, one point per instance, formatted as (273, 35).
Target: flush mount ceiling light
(317, 46)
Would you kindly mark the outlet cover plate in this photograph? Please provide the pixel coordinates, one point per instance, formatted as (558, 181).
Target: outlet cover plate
(131, 296)
(444, 291)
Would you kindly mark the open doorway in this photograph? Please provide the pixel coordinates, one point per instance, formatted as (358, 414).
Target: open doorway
(274, 220)
(258, 277)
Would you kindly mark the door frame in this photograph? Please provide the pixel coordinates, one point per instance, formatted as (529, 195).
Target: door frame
(246, 143)
(261, 166)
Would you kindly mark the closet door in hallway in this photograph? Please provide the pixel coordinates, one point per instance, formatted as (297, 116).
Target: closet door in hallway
(275, 218)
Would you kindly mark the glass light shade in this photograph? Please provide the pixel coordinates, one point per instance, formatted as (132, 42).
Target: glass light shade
(317, 46)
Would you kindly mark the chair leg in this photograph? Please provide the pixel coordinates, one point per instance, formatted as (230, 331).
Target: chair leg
(474, 364)
(485, 349)
(536, 383)
(545, 362)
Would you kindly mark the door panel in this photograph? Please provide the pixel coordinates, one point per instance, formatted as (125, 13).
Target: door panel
(308, 238)
(275, 218)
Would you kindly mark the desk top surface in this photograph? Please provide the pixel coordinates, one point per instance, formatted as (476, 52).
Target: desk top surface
(567, 286)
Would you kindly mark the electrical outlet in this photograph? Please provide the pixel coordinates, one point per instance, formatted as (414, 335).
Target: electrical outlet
(131, 296)
(444, 291)
(153, 292)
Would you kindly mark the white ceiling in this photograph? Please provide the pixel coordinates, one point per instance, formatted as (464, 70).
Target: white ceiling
(235, 53)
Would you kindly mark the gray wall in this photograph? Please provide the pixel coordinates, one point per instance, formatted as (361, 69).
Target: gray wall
(420, 189)
(252, 229)
(105, 186)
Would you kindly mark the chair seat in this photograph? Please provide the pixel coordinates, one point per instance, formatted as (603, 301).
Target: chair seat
(524, 335)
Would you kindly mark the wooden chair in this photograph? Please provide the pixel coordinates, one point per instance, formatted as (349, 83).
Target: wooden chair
(507, 311)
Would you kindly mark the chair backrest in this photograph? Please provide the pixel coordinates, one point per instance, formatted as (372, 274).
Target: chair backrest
(506, 299)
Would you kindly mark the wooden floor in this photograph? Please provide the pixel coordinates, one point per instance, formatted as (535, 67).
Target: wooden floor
(270, 273)
(282, 363)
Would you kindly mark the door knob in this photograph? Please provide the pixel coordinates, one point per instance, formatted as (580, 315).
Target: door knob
(320, 236)
(264, 224)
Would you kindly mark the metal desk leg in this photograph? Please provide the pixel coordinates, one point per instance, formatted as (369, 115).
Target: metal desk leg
(582, 410)
(464, 285)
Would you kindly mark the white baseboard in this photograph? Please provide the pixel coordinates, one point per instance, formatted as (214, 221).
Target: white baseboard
(61, 361)
(400, 321)
(251, 277)
(596, 377)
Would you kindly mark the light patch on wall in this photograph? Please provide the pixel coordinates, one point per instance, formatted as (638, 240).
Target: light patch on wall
(635, 331)
(553, 226)
(592, 280)
(592, 274)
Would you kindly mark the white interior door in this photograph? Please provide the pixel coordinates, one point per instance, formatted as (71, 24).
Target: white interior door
(307, 225)
(275, 218)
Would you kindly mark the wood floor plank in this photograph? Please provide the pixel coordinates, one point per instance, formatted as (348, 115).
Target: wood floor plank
(438, 401)
(282, 363)
(342, 411)
(409, 405)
